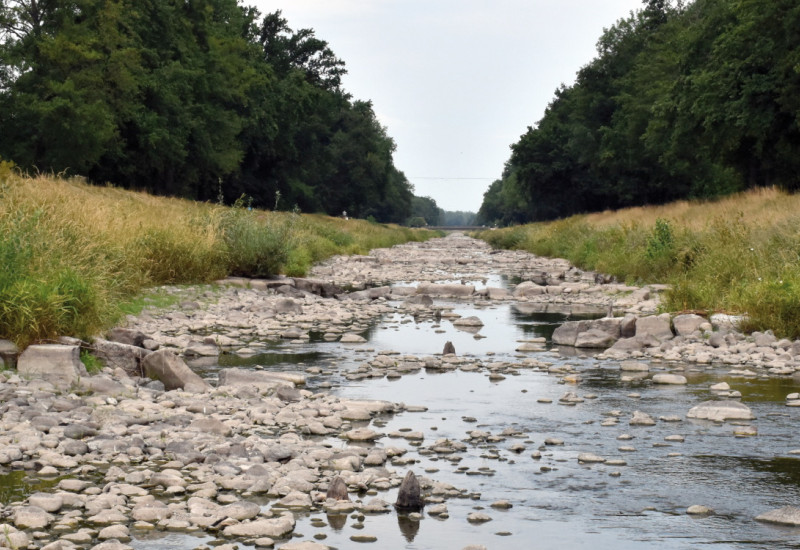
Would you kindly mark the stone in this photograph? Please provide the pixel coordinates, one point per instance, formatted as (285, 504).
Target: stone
(117, 355)
(478, 517)
(699, 510)
(337, 490)
(352, 338)
(528, 288)
(273, 527)
(686, 324)
(287, 305)
(46, 501)
(304, 545)
(594, 338)
(720, 411)
(471, 321)
(127, 336)
(8, 353)
(450, 290)
(567, 333)
(118, 532)
(642, 419)
(449, 348)
(590, 458)
(788, 515)
(409, 496)
(166, 367)
(669, 379)
(658, 326)
(32, 517)
(634, 366)
(57, 364)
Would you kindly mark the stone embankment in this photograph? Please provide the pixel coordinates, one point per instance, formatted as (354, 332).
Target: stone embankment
(148, 444)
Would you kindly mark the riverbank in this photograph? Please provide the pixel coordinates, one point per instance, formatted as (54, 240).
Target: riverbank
(737, 255)
(233, 449)
(74, 255)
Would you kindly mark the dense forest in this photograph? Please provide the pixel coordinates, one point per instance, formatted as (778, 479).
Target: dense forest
(202, 99)
(682, 101)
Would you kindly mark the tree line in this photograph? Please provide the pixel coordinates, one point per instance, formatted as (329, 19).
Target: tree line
(693, 100)
(203, 99)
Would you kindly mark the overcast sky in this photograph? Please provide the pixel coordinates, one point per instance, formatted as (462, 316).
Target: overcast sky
(456, 82)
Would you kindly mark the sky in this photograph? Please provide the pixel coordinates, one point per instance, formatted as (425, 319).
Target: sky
(456, 82)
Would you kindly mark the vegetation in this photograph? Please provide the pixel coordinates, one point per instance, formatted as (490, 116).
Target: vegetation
(682, 101)
(73, 256)
(738, 254)
(194, 99)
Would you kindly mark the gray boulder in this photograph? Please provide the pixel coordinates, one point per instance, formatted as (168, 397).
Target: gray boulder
(168, 368)
(567, 333)
(287, 305)
(127, 336)
(594, 338)
(264, 381)
(529, 288)
(687, 323)
(658, 326)
(720, 411)
(788, 515)
(57, 364)
(125, 356)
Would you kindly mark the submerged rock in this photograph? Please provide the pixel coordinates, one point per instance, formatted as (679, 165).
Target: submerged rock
(720, 411)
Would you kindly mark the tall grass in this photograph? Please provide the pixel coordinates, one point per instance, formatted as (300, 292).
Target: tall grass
(72, 254)
(740, 254)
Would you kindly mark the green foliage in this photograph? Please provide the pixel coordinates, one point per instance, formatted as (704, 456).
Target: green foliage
(93, 364)
(681, 102)
(195, 99)
(416, 221)
(255, 248)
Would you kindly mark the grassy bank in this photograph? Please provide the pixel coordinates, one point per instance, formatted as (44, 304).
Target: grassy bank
(740, 254)
(71, 253)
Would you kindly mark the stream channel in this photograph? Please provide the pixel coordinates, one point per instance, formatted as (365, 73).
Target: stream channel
(556, 501)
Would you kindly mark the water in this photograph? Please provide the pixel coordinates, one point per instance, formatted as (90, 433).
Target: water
(556, 500)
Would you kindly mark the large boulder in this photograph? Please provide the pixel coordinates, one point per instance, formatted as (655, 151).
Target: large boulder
(318, 287)
(788, 515)
(529, 288)
(57, 364)
(274, 527)
(658, 326)
(687, 323)
(720, 411)
(567, 333)
(125, 356)
(168, 368)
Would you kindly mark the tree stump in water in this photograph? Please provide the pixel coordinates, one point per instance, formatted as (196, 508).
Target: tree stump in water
(409, 497)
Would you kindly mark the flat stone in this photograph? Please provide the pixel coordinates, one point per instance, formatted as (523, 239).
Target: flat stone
(57, 364)
(788, 515)
(669, 379)
(720, 411)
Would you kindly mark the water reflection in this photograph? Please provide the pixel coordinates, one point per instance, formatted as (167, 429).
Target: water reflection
(409, 527)
(337, 521)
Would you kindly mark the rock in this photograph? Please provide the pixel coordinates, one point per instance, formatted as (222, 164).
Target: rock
(669, 379)
(118, 532)
(642, 419)
(166, 367)
(211, 426)
(699, 510)
(686, 324)
(31, 517)
(127, 336)
(449, 348)
(57, 364)
(658, 326)
(117, 355)
(409, 496)
(362, 434)
(567, 333)
(352, 338)
(450, 290)
(788, 515)
(46, 501)
(318, 287)
(720, 411)
(304, 545)
(8, 353)
(273, 528)
(471, 321)
(337, 490)
(478, 517)
(634, 366)
(589, 458)
(529, 288)
(420, 300)
(288, 306)
(594, 338)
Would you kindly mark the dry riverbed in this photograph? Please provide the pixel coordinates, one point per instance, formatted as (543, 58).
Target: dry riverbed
(187, 435)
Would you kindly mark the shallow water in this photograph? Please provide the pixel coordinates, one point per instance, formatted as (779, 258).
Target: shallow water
(556, 500)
